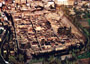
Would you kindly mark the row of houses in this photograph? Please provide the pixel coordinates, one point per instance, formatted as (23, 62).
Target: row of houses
(59, 2)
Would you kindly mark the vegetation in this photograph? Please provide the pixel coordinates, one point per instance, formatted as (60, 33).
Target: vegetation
(75, 20)
(34, 60)
(84, 55)
(1, 31)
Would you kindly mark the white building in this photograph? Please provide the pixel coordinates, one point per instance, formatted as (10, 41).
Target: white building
(64, 2)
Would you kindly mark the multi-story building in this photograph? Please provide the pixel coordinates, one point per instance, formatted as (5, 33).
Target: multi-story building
(6, 1)
(64, 2)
